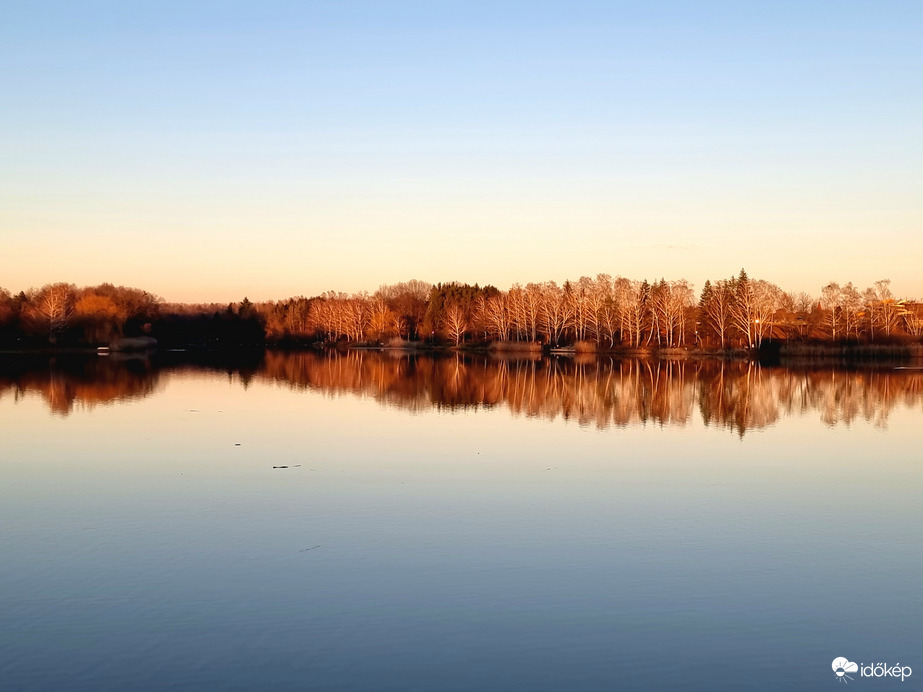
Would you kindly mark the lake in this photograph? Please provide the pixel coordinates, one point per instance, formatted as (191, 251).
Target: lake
(379, 521)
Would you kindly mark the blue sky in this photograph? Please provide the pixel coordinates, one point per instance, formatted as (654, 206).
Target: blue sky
(206, 151)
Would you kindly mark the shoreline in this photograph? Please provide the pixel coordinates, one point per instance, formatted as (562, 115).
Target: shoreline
(774, 353)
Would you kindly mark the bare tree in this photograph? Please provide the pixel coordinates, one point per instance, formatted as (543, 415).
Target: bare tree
(889, 308)
(532, 307)
(553, 313)
(53, 307)
(743, 309)
(718, 305)
(912, 315)
(631, 301)
(767, 300)
(496, 317)
(830, 300)
(456, 323)
(381, 319)
(851, 307)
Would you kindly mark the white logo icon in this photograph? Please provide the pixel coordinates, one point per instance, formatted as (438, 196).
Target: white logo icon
(841, 666)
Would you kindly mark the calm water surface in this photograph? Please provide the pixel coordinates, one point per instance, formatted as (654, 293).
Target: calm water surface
(456, 524)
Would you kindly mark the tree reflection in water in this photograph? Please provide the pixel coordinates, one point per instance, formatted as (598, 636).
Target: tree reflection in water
(600, 392)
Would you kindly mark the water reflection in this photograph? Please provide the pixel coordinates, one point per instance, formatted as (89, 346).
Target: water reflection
(84, 382)
(600, 392)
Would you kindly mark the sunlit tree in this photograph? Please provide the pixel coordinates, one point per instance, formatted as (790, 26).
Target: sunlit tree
(52, 308)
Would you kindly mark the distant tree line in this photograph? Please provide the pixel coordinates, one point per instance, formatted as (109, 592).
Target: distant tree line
(601, 313)
(62, 314)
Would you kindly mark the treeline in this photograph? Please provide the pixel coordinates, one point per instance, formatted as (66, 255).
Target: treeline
(590, 314)
(62, 314)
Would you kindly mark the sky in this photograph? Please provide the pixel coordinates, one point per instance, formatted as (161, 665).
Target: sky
(209, 151)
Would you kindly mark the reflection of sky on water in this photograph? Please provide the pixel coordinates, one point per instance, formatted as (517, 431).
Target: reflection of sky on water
(458, 548)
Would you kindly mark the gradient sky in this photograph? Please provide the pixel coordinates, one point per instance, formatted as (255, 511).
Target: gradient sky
(211, 150)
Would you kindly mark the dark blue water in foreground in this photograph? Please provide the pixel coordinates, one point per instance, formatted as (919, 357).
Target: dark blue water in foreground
(458, 526)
